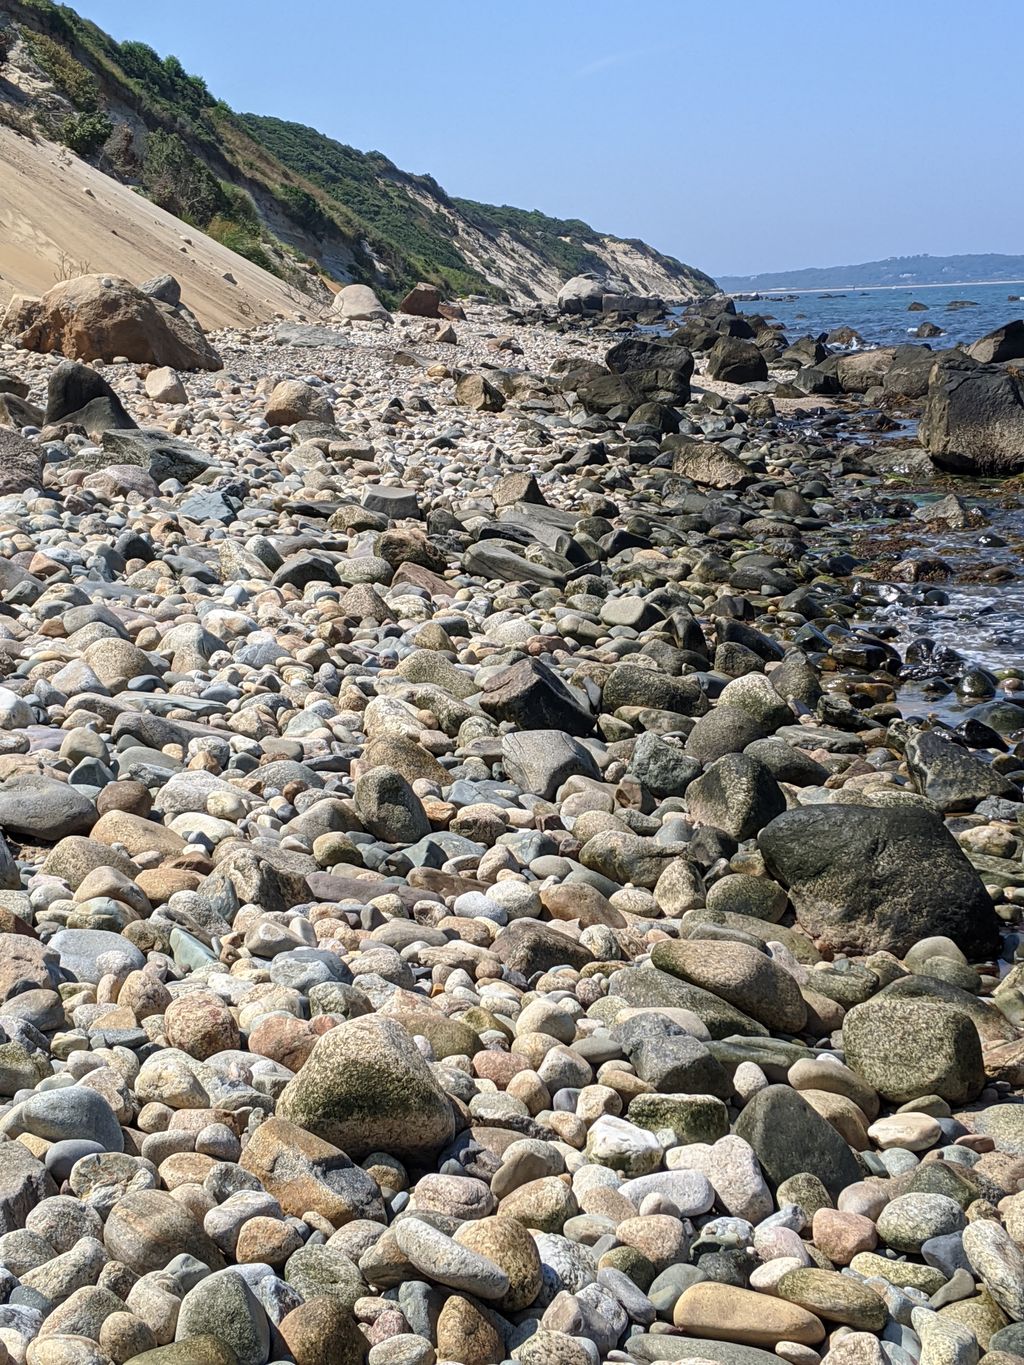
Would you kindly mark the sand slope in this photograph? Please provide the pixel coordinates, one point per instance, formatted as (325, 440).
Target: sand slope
(51, 228)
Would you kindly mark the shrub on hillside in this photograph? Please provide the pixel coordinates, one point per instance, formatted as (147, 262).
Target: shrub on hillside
(178, 181)
(85, 134)
(237, 237)
(163, 79)
(239, 206)
(303, 209)
(67, 74)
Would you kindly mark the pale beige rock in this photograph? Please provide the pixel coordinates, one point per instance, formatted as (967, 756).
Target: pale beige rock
(723, 1312)
(164, 386)
(359, 303)
(916, 1132)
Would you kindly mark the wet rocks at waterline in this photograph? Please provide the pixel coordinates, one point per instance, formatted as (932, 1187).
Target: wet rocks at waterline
(470, 892)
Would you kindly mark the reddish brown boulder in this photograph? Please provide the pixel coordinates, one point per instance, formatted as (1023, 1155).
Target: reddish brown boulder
(104, 316)
(284, 1039)
(200, 1024)
(305, 1174)
(422, 301)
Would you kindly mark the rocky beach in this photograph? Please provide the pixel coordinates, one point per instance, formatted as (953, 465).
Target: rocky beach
(481, 879)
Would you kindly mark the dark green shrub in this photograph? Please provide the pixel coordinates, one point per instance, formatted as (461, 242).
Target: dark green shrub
(303, 209)
(85, 134)
(239, 206)
(178, 181)
(238, 238)
(67, 74)
(164, 78)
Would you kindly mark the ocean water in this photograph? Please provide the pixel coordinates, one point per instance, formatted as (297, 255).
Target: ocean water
(983, 622)
(881, 316)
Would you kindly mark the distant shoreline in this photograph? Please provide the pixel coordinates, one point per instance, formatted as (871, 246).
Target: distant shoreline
(865, 288)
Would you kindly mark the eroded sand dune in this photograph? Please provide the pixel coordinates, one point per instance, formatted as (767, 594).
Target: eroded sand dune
(61, 217)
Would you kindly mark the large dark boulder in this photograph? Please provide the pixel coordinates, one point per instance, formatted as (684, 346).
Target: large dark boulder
(973, 419)
(697, 334)
(737, 794)
(609, 394)
(803, 352)
(1005, 343)
(864, 879)
(816, 379)
(790, 1138)
(76, 395)
(724, 730)
(633, 685)
(531, 695)
(164, 288)
(637, 353)
(667, 380)
(844, 336)
(640, 371)
(735, 361)
(733, 325)
(661, 416)
(771, 344)
(528, 946)
(422, 301)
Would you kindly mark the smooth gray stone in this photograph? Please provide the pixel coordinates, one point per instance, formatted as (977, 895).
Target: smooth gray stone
(81, 949)
(75, 1111)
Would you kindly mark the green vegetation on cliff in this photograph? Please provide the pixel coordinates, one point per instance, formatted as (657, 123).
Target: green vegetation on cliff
(256, 183)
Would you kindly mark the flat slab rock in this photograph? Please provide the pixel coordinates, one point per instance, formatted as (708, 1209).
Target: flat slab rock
(392, 502)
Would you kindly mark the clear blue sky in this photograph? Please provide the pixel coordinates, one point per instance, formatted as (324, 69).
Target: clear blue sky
(738, 135)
